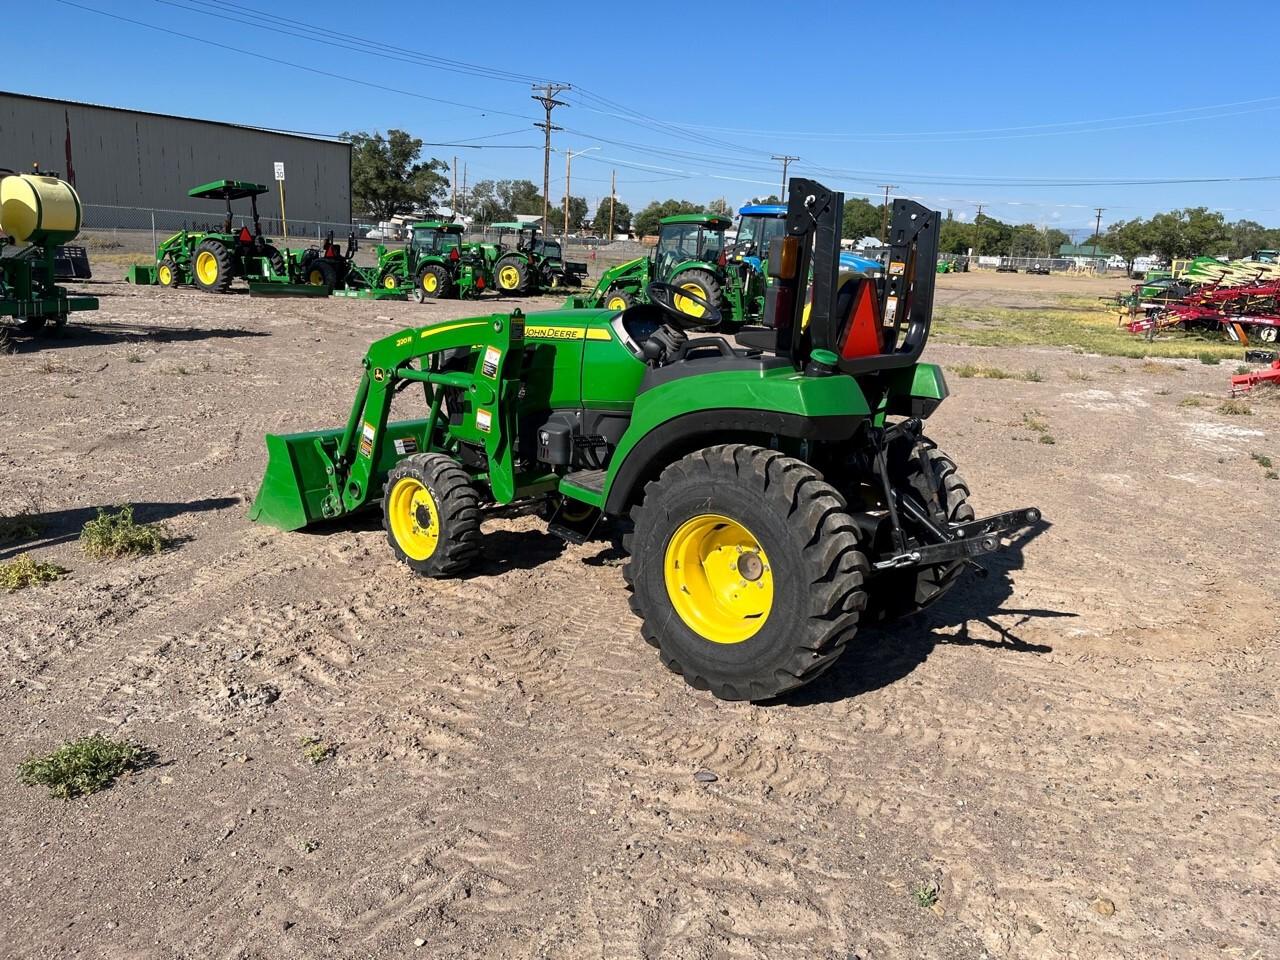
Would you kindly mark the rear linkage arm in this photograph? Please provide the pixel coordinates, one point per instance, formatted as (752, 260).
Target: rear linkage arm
(953, 541)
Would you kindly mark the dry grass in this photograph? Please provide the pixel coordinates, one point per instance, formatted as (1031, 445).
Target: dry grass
(1235, 408)
(1086, 326)
(113, 535)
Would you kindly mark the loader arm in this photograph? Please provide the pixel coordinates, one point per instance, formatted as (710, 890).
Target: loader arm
(326, 474)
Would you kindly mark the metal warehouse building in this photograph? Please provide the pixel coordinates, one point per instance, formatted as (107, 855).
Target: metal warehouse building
(128, 158)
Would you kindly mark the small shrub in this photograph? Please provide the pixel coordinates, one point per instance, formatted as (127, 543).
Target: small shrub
(316, 750)
(1079, 376)
(1034, 376)
(1243, 368)
(1045, 438)
(82, 766)
(1235, 408)
(1192, 401)
(1271, 475)
(1209, 359)
(20, 527)
(926, 894)
(1262, 460)
(113, 535)
(22, 571)
(967, 370)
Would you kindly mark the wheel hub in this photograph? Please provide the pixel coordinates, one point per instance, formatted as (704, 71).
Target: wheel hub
(718, 579)
(750, 566)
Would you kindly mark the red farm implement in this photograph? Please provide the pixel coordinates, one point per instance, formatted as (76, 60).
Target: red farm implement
(1244, 382)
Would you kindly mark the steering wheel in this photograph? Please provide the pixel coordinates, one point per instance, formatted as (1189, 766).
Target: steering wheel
(664, 295)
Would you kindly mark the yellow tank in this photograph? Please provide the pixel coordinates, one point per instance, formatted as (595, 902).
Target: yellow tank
(38, 209)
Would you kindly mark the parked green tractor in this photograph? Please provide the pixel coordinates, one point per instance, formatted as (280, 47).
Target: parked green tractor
(770, 499)
(436, 263)
(211, 260)
(690, 254)
(533, 265)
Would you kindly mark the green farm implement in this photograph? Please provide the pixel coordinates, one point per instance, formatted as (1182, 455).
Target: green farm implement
(210, 259)
(770, 499)
(436, 264)
(690, 254)
(328, 271)
(532, 265)
(42, 212)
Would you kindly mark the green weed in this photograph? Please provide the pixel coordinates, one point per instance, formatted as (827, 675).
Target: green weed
(1262, 460)
(22, 571)
(1191, 401)
(1209, 359)
(114, 535)
(82, 766)
(316, 750)
(925, 894)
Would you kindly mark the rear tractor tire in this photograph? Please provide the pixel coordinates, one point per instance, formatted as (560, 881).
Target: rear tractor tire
(167, 273)
(900, 593)
(211, 267)
(431, 513)
(700, 283)
(511, 275)
(322, 274)
(745, 570)
(434, 282)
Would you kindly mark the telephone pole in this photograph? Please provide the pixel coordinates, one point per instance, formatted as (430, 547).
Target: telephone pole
(884, 212)
(1097, 229)
(453, 205)
(464, 189)
(547, 97)
(564, 224)
(977, 237)
(613, 193)
(786, 161)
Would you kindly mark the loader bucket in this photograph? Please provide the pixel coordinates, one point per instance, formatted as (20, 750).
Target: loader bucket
(296, 483)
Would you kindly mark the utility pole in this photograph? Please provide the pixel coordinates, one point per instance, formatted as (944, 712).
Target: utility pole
(1097, 229)
(568, 171)
(613, 193)
(884, 211)
(786, 161)
(453, 206)
(977, 237)
(547, 98)
(464, 189)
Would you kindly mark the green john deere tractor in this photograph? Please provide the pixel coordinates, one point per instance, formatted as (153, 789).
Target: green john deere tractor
(771, 498)
(436, 263)
(533, 265)
(213, 259)
(691, 255)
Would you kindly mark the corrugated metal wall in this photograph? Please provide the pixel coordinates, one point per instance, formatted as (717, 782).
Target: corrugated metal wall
(123, 158)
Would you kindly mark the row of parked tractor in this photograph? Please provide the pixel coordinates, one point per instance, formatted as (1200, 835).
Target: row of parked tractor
(694, 252)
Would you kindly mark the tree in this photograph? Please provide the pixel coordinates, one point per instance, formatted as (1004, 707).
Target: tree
(720, 207)
(646, 221)
(861, 219)
(621, 218)
(1128, 239)
(577, 214)
(1191, 232)
(387, 177)
(495, 200)
(990, 236)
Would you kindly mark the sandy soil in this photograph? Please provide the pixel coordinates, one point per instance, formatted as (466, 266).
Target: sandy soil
(1080, 751)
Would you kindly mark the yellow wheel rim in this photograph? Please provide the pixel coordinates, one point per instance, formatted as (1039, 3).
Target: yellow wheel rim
(616, 303)
(316, 278)
(430, 282)
(390, 282)
(685, 305)
(509, 278)
(718, 578)
(166, 276)
(207, 267)
(415, 521)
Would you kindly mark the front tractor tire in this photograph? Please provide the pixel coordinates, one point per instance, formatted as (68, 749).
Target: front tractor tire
(431, 512)
(512, 275)
(434, 282)
(745, 570)
(701, 284)
(211, 267)
(167, 274)
(616, 298)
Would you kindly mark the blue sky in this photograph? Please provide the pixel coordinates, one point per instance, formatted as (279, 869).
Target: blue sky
(1025, 108)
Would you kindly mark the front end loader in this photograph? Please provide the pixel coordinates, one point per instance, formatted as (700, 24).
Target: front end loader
(770, 498)
(435, 263)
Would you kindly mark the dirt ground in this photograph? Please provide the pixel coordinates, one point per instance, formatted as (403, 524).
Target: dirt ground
(1079, 751)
